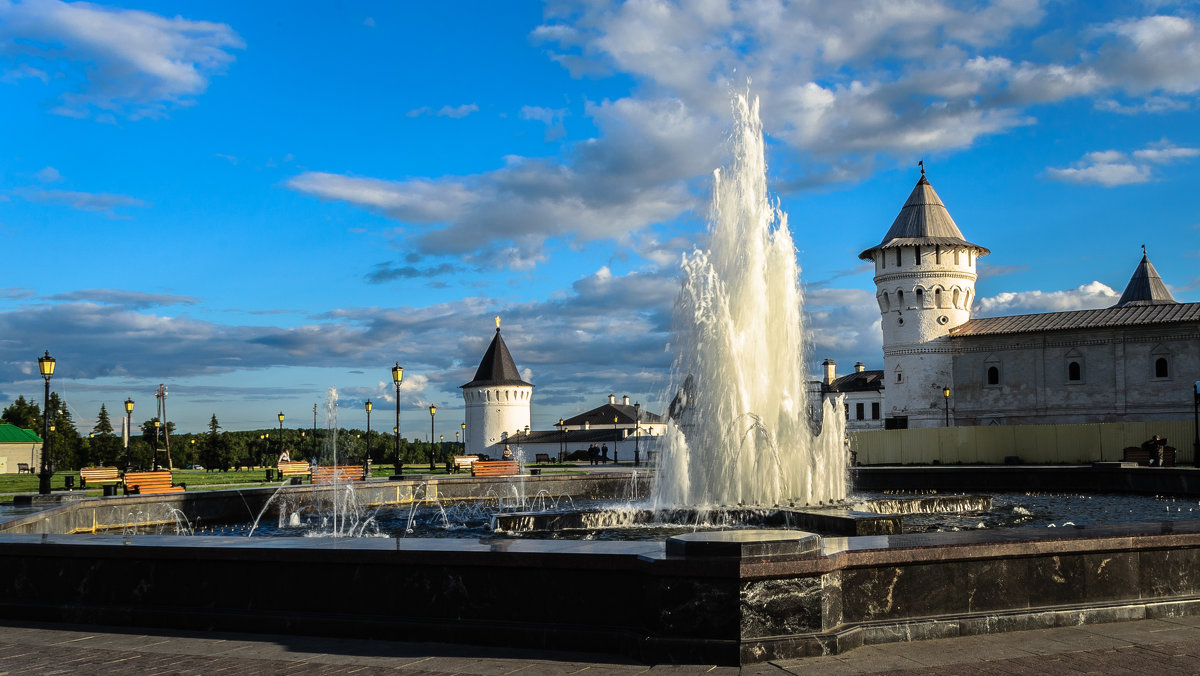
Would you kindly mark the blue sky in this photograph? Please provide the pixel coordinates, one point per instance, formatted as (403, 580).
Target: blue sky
(255, 202)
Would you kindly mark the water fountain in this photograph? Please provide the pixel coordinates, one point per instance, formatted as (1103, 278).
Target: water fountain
(740, 432)
(738, 450)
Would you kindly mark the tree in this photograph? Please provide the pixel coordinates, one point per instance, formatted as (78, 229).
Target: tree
(66, 447)
(24, 414)
(105, 448)
(149, 436)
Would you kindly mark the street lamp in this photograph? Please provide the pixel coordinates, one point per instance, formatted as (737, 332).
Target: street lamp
(368, 406)
(46, 368)
(616, 438)
(946, 399)
(280, 416)
(432, 412)
(128, 428)
(637, 432)
(1196, 422)
(464, 441)
(154, 454)
(397, 376)
(562, 439)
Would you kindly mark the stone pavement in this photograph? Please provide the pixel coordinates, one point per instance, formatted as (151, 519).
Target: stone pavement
(1159, 647)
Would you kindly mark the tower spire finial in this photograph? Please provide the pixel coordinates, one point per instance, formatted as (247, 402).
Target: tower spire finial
(921, 164)
(497, 323)
(1143, 249)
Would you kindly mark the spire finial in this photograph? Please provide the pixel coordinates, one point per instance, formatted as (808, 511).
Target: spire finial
(1143, 250)
(497, 323)
(921, 164)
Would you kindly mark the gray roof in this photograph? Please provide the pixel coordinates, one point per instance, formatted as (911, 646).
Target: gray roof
(603, 415)
(1130, 315)
(497, 367)
(865, 381)
(1145, 287)
(923, 220)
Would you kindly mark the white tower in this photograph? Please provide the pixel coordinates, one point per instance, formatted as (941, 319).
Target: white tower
(925, 283)
(497, 401)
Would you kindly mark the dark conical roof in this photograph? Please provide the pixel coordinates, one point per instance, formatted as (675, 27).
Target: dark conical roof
(1145, 287)
(923, 220)
(497, 366)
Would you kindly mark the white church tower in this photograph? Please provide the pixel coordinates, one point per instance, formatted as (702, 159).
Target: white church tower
(497, 401)
(925, 283)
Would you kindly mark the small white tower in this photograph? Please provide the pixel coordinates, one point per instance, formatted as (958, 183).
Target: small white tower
(497, 400)
(925, 283)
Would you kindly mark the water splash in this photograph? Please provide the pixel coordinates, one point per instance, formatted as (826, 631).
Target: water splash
(740, 432)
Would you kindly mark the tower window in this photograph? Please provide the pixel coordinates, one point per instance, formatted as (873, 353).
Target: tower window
(920, 297)
(899, 377)
(956, 256)
(1161, 369)
(900, 298)
(1074, 372)
(937, 297)
(937, 254)
(993, 375)
(917, 255)
(874, 410)
(898, 263)
(883, 259)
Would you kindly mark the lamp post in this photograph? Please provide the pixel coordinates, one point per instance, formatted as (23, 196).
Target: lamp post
(46, 368)
(562, 439)
(280, 416)
(946, 399)
(192, 455)
(128, 428)
(637, 432)
(397, 376)
(368, 406)
(616, 438)
(1196, 422)
(456, 439)
(432, 412)
(314, 454)
(464, 441)
(154, 453)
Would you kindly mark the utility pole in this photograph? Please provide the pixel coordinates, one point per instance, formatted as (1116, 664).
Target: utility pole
(161, 394)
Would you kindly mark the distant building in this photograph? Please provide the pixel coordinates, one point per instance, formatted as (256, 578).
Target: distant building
(1134, 361)
(497, 401)
(19, 447)
(863, 390)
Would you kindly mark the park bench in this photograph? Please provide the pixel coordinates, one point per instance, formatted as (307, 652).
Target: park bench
(23, 468)
(462, 462)
(495, 468)
(542, 457)
(1142, 456)
(98, 475)
(149, 483)
(294, 468)
(332, 473)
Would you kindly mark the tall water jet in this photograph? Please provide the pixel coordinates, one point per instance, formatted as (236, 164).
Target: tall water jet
(740, 431)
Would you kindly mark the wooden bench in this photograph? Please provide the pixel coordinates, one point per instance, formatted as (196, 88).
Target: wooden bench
(149, 483)
(1142, 456)
(495, 468)
(23, 467)
(98, 475)
(542, 458)
(462, 462)
(298, 468)
(328, 475)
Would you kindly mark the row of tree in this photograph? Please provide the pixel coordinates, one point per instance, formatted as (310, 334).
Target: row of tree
(215, 449)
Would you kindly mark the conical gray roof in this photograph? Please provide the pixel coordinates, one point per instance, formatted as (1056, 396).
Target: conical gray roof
(923, 220)
(1145, 287)
(497, 366)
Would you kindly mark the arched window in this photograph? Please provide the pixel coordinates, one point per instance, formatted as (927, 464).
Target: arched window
(1073, 371)
(937, 297)
(993, 375)
(899, 377)
(917, 255)
(1160, 368)
(920, 298)
(900, 298)
(957, 298)
(887, 302)
(898, 263)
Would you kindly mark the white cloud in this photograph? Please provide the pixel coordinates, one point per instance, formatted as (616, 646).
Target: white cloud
(48, 175)
(1086, 297)
(103, 203)
(119, 61)
(457, 112)
(1115, 168)
(551, 117)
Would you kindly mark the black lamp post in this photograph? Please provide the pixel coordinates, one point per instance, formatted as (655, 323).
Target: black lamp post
(154, 454)
(946, 399)
(46, 368)
(397, 376)
(368, 406)
(464, 437)
(128, 428)
(280, 416)
(562, 439)
(1196, 423)
(637, 432)
(432, 412)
